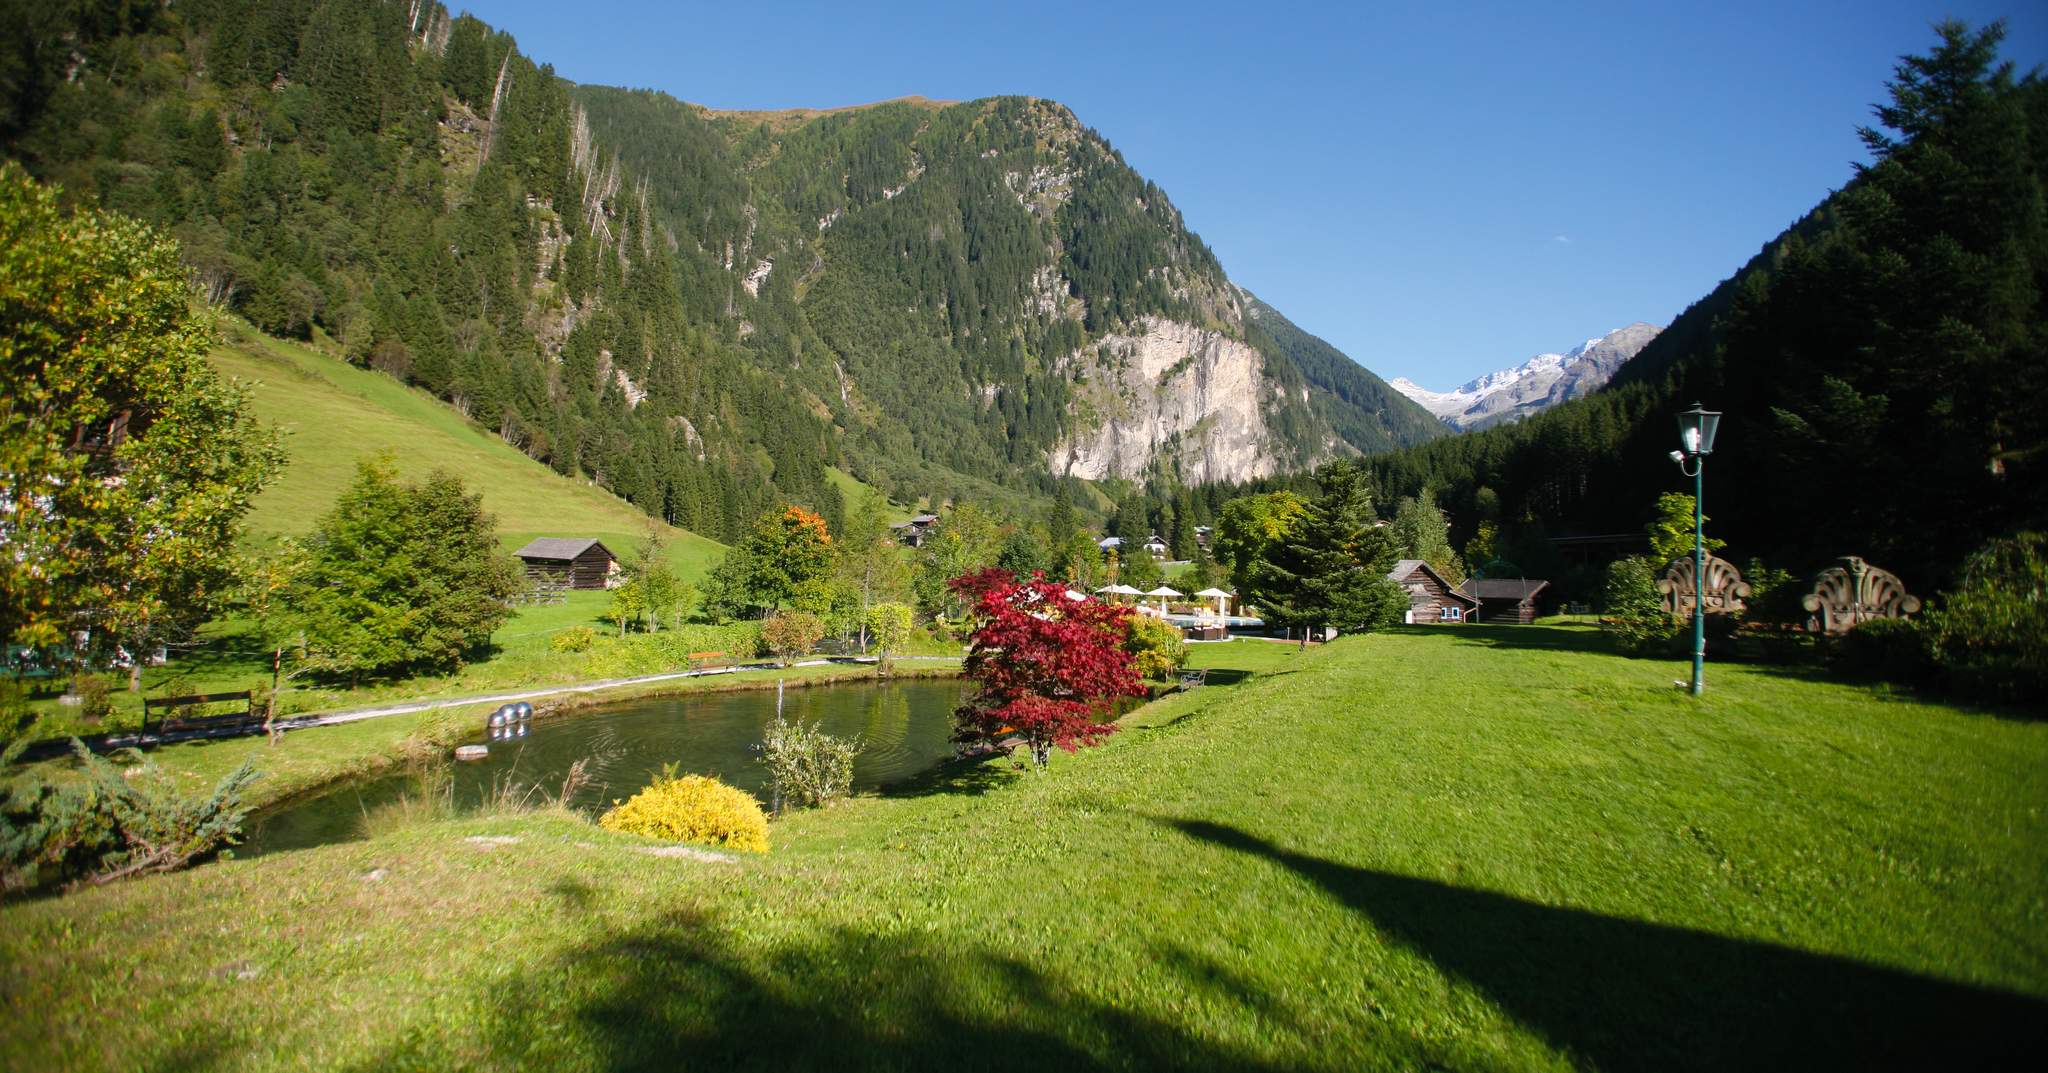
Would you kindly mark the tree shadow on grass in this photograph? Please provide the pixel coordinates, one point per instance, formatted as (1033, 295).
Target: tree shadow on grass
(1627, 995)
(967, 776)
(678, 992)
(1538, 638)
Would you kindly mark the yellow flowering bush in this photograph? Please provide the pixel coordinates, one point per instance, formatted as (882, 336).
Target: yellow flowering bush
(693, 808)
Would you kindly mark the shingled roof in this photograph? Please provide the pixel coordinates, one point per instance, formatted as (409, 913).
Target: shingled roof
(1502, 588)
(559, 548)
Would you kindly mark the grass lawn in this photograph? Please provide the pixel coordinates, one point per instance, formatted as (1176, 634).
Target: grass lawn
(1483, 848)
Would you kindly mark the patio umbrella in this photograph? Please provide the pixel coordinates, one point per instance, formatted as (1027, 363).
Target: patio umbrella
(1163, 592)
(1126, 590)
(1217, 595)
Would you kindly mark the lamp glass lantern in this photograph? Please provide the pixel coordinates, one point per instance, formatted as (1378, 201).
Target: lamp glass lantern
(1696, 429)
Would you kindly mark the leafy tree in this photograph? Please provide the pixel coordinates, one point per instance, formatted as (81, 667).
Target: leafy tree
(400, 576)
(1483, 548)
(663, 597)
(889, 626)
(1022, 555)
(790, 634)
(871, 562)
(1045, 666)
(1250, 524)
(1671, 531)
(1330, 567)
(965, 542)
(1141, 571)
(1990, 635)
(126, 464)
(785, 550)
(628, 604)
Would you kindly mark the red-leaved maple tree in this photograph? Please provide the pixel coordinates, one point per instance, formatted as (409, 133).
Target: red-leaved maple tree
(1047, 664)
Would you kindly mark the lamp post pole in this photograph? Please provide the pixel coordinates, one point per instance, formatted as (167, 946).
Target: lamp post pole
(1696, 428)
(1699, 578)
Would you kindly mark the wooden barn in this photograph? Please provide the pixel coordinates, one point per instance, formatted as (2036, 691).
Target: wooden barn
(1431, 599)
(581, 563)
(1505, 601)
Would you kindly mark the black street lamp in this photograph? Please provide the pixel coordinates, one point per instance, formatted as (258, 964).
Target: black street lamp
(1696, 428)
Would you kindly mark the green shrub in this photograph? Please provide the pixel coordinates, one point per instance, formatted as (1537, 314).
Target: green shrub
(1157, 648)
(107, 824)
(693, 808)
(16, 717)
(1774, 596)
(806, 766)
(1894, 649)
(1631, 610)
(792, 634)
(1989, 637)
(95, 698)
(573, 639)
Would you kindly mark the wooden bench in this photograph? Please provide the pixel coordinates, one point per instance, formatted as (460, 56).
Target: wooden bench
(176, 713)
(703, 660)
(1191, 679)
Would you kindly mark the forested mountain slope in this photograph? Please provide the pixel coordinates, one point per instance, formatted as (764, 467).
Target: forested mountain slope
(699, 311)
(1880, 364)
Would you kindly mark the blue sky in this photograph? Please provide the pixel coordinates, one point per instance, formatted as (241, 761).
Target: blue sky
(1438, 190)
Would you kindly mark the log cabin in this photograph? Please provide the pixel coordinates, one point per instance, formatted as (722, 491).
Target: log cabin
(580, 562)
(1505, 601)
(1431, 598)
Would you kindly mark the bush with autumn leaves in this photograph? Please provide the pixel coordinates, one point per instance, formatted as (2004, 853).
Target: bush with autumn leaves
(1048, 666)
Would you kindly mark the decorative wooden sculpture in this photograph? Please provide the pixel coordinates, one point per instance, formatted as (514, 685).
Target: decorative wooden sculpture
(1853, 591)
(1725, 593)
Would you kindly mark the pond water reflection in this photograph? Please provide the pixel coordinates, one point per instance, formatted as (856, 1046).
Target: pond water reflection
(903, 728)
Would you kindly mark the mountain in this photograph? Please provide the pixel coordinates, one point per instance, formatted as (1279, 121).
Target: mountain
(1533, 386)
(702, 312)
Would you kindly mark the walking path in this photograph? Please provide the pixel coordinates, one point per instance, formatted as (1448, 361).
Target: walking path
(359, 714)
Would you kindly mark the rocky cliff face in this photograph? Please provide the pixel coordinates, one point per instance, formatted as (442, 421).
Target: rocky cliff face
(1170, 388)
(1535, 385)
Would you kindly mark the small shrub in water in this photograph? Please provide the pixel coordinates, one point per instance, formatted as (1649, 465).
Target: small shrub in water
(693, 808)
(807, 766)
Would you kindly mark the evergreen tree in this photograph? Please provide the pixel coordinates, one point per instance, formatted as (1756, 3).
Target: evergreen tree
(1420, 532)
(1330, 567)
(400, 576)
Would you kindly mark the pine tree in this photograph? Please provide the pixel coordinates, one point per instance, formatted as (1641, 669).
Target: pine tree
(1330, 567)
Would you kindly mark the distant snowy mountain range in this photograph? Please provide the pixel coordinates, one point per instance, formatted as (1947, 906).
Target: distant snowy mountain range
(1537, 384)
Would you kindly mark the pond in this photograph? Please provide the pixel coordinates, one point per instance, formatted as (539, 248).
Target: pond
(903, 728)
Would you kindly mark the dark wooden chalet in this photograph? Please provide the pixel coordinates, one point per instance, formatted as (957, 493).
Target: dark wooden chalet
(580, 562)
(912, 533)
(1431, 599)
(1505, 601)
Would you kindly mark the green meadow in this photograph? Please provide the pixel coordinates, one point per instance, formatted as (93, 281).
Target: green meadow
(1472, 848)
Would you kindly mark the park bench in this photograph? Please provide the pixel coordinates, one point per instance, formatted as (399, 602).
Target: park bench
(699, 661)
(178, 714)
(1191, 679)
